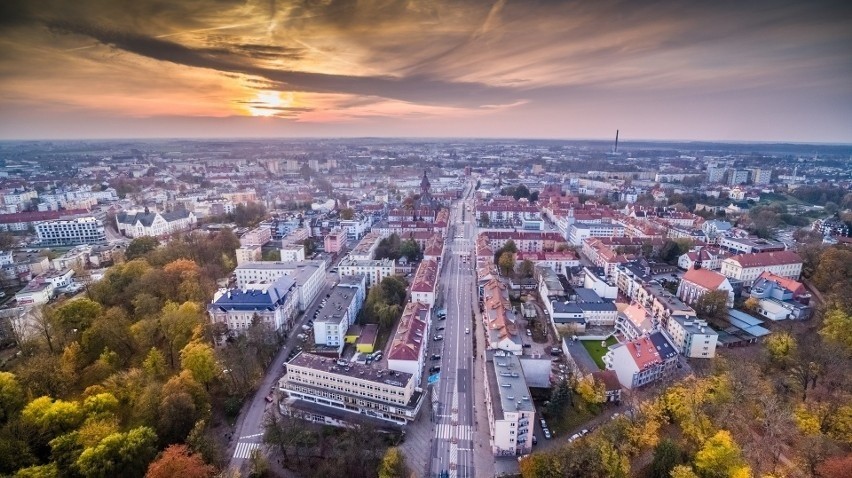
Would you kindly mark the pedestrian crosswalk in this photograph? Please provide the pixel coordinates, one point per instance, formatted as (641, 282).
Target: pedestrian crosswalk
(244, 449)
(448, 431)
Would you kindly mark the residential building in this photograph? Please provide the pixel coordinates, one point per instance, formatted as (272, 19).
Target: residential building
(748, 245)
(612, 388)
(697, 282)
(365, 250)
(715, 174)
(692, 337)
(584, 230)
(407, 352)
(425, 282)
(781, 298)
(154, 224)
(748, 267)
(511, 413)
(642, 361)
(596, 279)
(708, 258)
(559, 261)
(308, 275)
(36, 292)
(273, 304)
(70, 232)
(635, 321)
(247, 254)
(340, 311)
(352, 387)
(714, 227)
(257, 236)
(292, 252)
(761, 177)
(737, 176)
(501, 321)
(375, 270)
(584, 307)
(333, 241)
(21, 221)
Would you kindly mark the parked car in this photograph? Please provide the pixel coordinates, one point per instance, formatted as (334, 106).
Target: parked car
(574, 437)
(584, 432)
(535, 440)
(436, 357)
(546, 433)
(377, 355)
(441, 327)
(526, 346)
(529, 333)
(466, 330)
(438, 337)
(434, 369)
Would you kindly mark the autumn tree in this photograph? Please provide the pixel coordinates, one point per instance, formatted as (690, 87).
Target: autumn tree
(199, 359)
(712, 306)
(347, 214)
(393, 464)
(593, 392)
(140, 246)
(120, 454)
(177, 461)
(526, 269)
(506, 263)
(837, 327)
(781, 347)
(721, 457)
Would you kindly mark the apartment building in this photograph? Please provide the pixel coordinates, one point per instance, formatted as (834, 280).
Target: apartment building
(501, 321)
(70, 232)
(511, 414)
(425, 282)
(692, 337)
(583, 308)
(257, 236)
(365, 250)
(273, 304)
(375, 270)
(559, 261)
(308, 275)
(247, 254)
(661, 302)
(642, 361)
(579, 231)
(635, 321)
(352, 387)
(292, 252)
(333, 241)
(697, 282)
(749, 245)
(748, 267)
(407, 352)
(340, 311)
(154, 224)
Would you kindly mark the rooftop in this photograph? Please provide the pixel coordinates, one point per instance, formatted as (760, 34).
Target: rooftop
(705, 278)
(762, 259)
(506, 385)
(352, 369)
(338, 302)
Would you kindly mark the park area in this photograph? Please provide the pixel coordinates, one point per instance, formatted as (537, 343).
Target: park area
(596, 351)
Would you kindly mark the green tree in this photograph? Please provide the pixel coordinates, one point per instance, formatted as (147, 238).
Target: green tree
(199, 359)
(177, 325)
(484, 219)
(11, 396)
(506, 263)
(155, 365)
(141, 246)
(781, 347)
(101, 405)
(39, 471)
(77, 314)
(52, 418)
(410, 249)
(682, 471)
(667, 455)
(272, 255)
(526, 269)
(120, 454)
(393, 464)
(712, 306)
(560, 396)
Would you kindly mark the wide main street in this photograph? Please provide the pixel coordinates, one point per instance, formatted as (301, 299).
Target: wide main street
(453, 445)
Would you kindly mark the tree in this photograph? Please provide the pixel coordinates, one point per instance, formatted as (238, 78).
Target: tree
(526, 269)
(155, 365)
(393, 464)
(592, 391)
(410, 249)
(781, 347)
(52, 418)
(38, 471)
(347, 214)
(506, 263)
(542, 465)
(272, 255)
(11, 396)
(521, 192)
(712, 306)
(837, 327)
(560, 396)
(77, 314)
(177, 461)
(484, 219)
(682, 471)
(199, 359)
(667, 455)
(120, 454)
(719, 457)
(141, 246)
(177, 324)
(751, 305)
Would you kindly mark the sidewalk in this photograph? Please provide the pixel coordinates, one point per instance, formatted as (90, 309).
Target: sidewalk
(483, 460)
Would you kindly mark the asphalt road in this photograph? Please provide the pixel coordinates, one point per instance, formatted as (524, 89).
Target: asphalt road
(452, 446)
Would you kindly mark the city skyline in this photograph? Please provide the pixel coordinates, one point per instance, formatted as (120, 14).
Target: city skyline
(660, 71)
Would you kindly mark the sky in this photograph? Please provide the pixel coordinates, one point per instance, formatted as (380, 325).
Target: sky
(761, 70)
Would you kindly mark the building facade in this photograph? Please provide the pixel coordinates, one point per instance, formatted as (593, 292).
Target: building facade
(71, 232)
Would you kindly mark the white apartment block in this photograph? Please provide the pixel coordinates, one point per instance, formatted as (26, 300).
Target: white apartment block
(248, 254)
(692, 337)
(511, 414)
(352, 387)
(82, 230)
(340, 311)
(583, 230)
(375, 270)
(292, 252)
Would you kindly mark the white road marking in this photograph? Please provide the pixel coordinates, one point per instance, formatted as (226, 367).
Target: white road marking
(244, 449)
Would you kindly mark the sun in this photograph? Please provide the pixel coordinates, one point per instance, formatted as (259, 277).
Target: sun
(269, 103)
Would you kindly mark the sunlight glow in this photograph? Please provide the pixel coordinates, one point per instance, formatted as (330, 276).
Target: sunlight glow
(270, 103)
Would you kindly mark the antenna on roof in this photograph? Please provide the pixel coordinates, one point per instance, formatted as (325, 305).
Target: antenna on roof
(615, 149)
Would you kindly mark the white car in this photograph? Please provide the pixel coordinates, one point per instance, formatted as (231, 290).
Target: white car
(466, 330)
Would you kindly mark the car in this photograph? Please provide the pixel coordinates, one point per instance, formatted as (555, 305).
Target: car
(555, 351)
(529, 333)
(674, 275)
(466, 330)
(436, 357)
(441, 328)
(584, 432)
(535, 440)
(543, 423)
(377, 355)
(438, 337)
(546, 433)
(526, 346)
(574, 437)
(434, 369)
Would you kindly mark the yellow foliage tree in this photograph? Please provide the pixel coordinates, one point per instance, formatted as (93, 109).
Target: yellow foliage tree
(837, 327)
(721, 457)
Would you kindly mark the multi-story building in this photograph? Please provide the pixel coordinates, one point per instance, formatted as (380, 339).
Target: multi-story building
(634, 322)
(375, 270)
(715, 174)
(256, 237)
(247, 254)
(697, 282)
(308, 275)
(584, 307)
(154, 224)
(333, 241)
(501, 322)
(511, 413)
(559, 261)
(714, 227)
(692, 337)
(781, 298)
(662, 304)
(737, 176)
(272, 304)
(352, 387)
(407, 352)
(424, 283)
(365, 250)
(340, 311)
(36, 292)
(760, 176)
(709, 258)
(642, 361)
(747, 267)
(749, 245)
(292, 252)
(82, 230)
(584, 230)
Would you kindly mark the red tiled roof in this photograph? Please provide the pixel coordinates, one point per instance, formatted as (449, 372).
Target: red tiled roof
(425, 277)
(410, 332)
(762, 259)
(705, 278)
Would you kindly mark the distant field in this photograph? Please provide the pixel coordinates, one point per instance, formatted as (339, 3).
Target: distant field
(596, 351)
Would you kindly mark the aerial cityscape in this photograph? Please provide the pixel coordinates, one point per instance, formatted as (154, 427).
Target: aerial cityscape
(425, 239)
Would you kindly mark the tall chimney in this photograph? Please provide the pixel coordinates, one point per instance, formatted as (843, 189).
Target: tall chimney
(616, 142)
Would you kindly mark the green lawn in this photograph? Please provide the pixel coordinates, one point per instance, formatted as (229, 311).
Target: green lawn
(596, 351)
